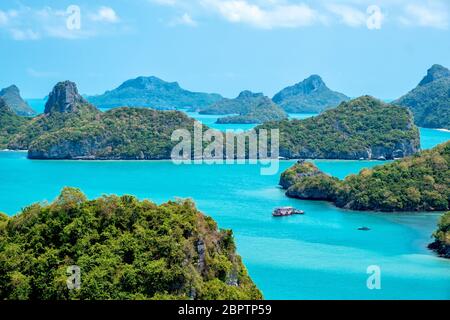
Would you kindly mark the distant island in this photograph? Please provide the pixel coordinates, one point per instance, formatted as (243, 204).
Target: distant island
(430, 100)
(77, 130)
(10, 124)
(417, 183)
(11, 97)
(310, 95)
(250, 108)
(72, 128)
(65, 109)
(154, 93)
(363, 128)
(126, 249)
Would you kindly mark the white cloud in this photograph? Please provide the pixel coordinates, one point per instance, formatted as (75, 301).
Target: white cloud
(25, 34)
(3, 18)
(41, 74)
(105, 14)
(28, 23)
(269, 14)
(185, 19)
(166, 2)
(348, 15)
(435, 16)
(272, 15)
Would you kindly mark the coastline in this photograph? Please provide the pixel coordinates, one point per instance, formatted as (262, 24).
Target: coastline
(9, 150)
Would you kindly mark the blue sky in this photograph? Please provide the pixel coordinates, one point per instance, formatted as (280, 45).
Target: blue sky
(382, 48)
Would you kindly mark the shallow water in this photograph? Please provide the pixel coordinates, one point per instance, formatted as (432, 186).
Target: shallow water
(320, 255)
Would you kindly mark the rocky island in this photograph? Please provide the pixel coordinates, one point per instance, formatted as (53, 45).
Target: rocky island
(310, 95)
(154, 93)
(441, 242)
(11, 96)
(121, 133)
(126, 249)
(65, 108)
(430, 100)
(417, 183)
(363, 128)
(250, 108)
(72, 128)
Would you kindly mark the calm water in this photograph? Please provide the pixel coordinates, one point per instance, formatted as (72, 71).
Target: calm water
(320, 255)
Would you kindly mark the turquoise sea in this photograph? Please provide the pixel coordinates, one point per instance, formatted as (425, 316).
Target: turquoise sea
(320, 255)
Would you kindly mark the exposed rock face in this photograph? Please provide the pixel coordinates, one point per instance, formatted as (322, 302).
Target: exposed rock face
(83, 149)
(64, 98)
(201, 250)
(65, 108)
(11, 96)
(399, 150)
(310, 95)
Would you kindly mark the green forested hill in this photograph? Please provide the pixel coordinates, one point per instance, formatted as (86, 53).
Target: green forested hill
(12, 98)
(125, 248)
(430, 100)
(309, 95)
(155, 93)
(121, 133)
(64, 108)
(417, 183)
(10, 124)
(361, 128)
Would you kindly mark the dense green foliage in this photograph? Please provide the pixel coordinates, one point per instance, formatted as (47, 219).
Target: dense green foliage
(48, 123)
(301, 169)
(310, 95)
(442, 237)
(417, 183)
(305, 181)
(155, 93)
(126, 249)
(430, 100)
(71, 128)
(250, 108)
(10, 124)
(361, 128)
(14, 101)
(121, 133)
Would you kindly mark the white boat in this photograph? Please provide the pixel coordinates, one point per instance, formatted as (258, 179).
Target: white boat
(286, 211)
